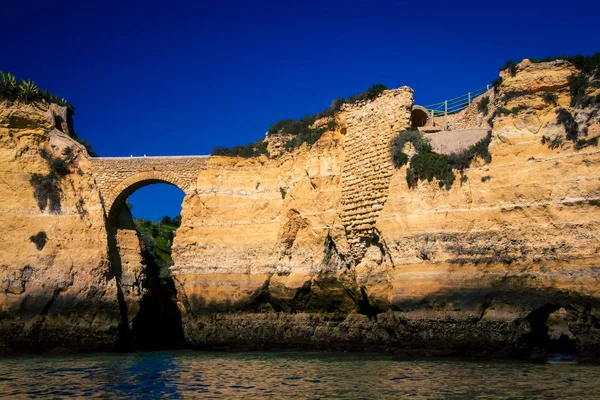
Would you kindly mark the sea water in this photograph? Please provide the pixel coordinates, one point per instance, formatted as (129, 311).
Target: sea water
(290, 375)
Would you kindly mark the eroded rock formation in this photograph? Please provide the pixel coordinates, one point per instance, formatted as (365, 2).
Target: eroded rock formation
(329, 247)
(54, 293)
(326, 246)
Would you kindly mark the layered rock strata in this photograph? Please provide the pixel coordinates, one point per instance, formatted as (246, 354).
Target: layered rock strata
(54, 268)
(71, 280)
(325, 246)
(272, 252)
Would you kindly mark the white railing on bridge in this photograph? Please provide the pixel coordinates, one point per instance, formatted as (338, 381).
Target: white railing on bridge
(452, 106)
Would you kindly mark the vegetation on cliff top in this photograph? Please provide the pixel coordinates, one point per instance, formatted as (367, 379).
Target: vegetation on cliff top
(158, 238)
(588, 65)
(255, 149)
(27, 92)
(582, 109)
(302, 130)
(426, 164)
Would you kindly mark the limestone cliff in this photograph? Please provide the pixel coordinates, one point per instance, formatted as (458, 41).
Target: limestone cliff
(69, 279)
(54, 261)
(328, 245)
(325, 246)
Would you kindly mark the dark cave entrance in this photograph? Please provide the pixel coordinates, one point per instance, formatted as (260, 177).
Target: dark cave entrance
(140, 255)
(419, 117)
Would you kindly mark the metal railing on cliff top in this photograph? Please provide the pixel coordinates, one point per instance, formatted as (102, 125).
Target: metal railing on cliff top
(452, 106)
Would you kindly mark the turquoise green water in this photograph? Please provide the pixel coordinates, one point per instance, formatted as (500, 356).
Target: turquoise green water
(289, 375)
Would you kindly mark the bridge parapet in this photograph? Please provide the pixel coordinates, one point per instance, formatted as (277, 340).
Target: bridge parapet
(119, 177)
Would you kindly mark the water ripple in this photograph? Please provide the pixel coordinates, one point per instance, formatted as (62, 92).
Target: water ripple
(289, 375)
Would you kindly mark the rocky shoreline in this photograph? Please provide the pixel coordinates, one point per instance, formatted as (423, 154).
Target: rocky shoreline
(329, 246)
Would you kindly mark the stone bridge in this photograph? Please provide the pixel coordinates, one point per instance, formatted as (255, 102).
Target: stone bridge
(118, 177)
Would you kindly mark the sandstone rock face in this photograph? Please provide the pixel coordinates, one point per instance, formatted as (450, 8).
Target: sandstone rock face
(258, 222)
(536, 77)
(276, 144)
(54, 292)
(70, 278)
(328, 247)
(325, 246)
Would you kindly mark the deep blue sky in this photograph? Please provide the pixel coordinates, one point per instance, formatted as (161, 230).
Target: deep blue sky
(178, 78)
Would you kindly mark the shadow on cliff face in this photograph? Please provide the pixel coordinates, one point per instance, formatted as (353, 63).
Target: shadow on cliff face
(557, 321)
(124, 339)
(157, 325)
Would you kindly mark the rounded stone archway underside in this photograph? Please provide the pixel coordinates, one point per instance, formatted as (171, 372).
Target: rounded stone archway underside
(419, 116)
(123, 192)
(119, 177)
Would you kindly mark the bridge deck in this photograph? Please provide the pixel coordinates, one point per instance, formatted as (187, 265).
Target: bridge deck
(144, 157)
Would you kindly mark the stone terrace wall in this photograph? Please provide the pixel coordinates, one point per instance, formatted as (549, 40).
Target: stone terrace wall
(368, 165)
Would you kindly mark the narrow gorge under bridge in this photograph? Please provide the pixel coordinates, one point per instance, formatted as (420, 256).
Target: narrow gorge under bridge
(118, 177)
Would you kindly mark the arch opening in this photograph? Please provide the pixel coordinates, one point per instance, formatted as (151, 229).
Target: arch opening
(119, 194)
(141, 225)
(419, 117)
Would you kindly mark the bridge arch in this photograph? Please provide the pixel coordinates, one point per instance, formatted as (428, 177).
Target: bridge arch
(119, 177)
(128, 186)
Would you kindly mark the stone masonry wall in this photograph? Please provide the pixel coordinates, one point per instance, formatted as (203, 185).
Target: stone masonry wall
(368, 166)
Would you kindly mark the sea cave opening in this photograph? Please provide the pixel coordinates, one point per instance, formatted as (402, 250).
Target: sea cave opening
(142, 226)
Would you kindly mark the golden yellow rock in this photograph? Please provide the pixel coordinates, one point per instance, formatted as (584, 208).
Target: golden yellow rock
(326, 245)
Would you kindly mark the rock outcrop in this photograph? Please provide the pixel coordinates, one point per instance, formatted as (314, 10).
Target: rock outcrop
(325, 246)
(328, 247)
(70, 279)
(54, 291)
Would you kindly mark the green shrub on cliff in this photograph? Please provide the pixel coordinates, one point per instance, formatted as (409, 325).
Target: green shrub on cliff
(28, 92)
(399, 158)
(483, 105)
(255, 149)
(176, 221)
(9, 87)
(370, 94)
(158, 238)
(301, 129)
(462, 160)
(428, 165)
